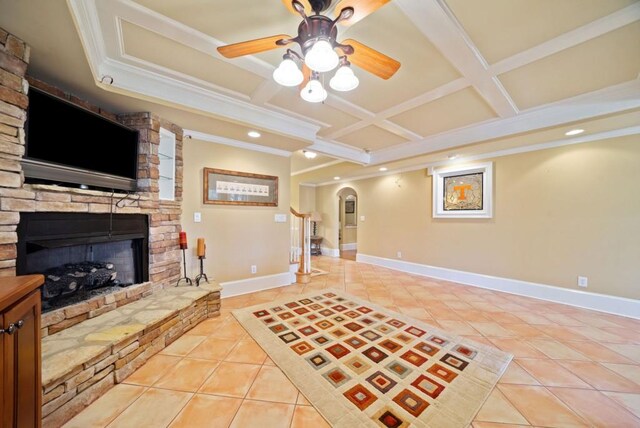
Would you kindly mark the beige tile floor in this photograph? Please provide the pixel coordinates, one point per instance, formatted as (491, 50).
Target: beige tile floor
(572, 367)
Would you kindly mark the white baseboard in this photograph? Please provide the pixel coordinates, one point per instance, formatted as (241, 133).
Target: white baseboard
(349, 247)
(582, 299)
(331, 252)
(251, 285)
(293, 268)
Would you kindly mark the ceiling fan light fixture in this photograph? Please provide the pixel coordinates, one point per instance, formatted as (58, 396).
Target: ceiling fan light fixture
(344, 80)
(288, 73)
(321, 57)
(313, 92)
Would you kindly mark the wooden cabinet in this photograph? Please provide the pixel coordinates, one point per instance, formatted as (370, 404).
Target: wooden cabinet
(20, 370)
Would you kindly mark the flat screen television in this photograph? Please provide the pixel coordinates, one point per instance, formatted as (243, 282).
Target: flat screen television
(68, 144)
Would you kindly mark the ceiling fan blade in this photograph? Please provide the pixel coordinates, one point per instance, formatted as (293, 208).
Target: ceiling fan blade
(252, 46)
(307, 7)
(361, 9)
(371, 60)
(306, 72)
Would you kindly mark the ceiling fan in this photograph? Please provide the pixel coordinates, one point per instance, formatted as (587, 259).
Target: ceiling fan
(321, 51)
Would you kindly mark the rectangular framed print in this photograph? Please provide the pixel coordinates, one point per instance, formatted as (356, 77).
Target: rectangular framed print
(222, 187)
(463, 191)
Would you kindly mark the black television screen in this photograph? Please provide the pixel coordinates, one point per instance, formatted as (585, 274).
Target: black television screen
(61, 133)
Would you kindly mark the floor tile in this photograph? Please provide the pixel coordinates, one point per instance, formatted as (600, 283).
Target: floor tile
(550, 373)
(183, 346)
(498, 409)
(263, 414)
(308, 417)
(540, 407)
(495, 425)
(247, 351)
(204, 411)
(631, 402)
(631, 372)
(272, 385)
(152, 370)
(302, 401)
(630, 351)
(206, 327)
(213, 349)
(517, 375)
(518, 347)
(596, 408)
(231, 379)
(154, 408)
(231, 330)
(458, 327)
(556, 350)
(188, 375)
(600, 377)
(597, 352)
(106, 408)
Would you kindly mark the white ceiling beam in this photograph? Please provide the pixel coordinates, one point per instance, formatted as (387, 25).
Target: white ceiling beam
(203, 136)
(582, 34)
(434, 19)
(625, 96)
(340, 151)
(264, 92)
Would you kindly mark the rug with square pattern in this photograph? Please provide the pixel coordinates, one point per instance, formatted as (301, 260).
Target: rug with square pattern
(362, 365)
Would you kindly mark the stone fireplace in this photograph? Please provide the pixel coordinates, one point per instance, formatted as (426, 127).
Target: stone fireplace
(83, 255)
(135, 235)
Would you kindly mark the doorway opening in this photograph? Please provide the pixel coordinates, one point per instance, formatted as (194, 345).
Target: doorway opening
(348, 223)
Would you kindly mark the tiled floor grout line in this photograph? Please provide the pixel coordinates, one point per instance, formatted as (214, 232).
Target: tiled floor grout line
(146, 388)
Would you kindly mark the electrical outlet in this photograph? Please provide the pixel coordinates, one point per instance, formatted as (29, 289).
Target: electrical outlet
(361, 218)
(197, 217)
(399, 254)
(583, 281)
(254, 269)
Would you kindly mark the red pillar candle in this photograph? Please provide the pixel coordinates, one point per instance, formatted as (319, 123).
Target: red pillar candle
(201, 247)
(183, 240)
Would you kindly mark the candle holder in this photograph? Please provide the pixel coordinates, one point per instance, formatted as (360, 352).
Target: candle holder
(184, 261)
(201, 275)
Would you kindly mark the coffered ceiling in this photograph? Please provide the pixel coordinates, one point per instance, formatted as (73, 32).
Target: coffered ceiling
(472, 71)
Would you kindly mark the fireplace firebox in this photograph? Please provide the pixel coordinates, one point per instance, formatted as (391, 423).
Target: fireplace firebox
(83, 255)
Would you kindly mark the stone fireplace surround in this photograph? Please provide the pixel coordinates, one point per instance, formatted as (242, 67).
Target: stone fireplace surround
(69, 387)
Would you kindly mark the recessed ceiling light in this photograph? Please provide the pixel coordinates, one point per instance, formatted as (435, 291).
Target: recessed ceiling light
(309, 155)
(574, 132)
(336, 178)
(382, 168)
(254, 134)
(453, 156)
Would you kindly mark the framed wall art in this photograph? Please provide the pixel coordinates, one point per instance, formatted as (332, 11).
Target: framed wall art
(222, 187)
(463, 191)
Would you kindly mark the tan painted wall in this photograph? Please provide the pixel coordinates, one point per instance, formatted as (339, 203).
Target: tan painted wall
(559, 213)
(307, 201)
(236, 236)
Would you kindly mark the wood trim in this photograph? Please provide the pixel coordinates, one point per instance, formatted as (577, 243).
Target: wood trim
(205, 196)
(14, 288)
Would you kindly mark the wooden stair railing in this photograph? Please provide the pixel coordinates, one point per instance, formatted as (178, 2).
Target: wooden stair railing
(300, 251)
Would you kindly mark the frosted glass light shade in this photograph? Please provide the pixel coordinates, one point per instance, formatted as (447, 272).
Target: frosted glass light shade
(321, 57)
(288, 73)
(344, 80)
(313, 92)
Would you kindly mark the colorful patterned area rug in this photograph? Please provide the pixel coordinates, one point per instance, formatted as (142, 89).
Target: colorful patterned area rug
(361, 365)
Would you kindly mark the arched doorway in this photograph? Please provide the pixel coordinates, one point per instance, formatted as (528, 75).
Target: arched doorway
(348, 223)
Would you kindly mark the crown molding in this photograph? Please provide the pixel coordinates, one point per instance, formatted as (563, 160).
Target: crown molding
(203, 136)
(314, 168)
(623, 132)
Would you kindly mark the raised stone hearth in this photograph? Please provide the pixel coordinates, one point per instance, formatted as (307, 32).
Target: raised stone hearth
(82, 362)
(90, 346)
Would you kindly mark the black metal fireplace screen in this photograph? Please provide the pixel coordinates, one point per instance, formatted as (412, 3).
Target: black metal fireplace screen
(81, 254)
